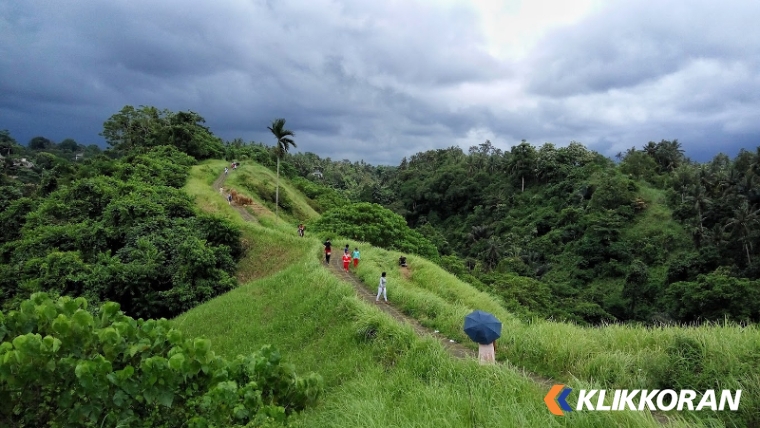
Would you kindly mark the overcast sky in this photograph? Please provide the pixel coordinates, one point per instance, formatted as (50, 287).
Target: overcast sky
(380, 80)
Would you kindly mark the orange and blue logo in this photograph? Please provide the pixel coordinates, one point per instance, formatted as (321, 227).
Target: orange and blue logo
(556, 400)
(624, 399)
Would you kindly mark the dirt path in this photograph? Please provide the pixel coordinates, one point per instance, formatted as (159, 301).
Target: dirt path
(452, 347)
(455, 349)
(247, 216)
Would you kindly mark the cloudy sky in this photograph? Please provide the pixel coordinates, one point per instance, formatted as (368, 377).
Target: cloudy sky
(380, 80)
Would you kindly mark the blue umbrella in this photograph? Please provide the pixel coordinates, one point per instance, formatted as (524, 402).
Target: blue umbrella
(482, 327)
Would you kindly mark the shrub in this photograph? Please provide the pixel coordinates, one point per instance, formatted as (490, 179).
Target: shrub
(62, 366)
(377, 225)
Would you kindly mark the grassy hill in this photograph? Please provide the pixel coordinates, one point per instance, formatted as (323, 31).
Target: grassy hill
(380, 373)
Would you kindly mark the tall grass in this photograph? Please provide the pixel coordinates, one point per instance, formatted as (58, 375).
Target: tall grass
(378, 373)
(260, 183)
(715, 356)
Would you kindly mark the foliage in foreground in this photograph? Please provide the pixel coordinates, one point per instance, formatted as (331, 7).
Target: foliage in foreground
(60, 366)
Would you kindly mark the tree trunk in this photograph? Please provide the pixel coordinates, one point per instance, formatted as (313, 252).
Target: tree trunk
(523, 184)
(277, 191)
(746, 248)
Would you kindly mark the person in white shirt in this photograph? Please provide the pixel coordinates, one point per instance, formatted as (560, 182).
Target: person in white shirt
(381, 289)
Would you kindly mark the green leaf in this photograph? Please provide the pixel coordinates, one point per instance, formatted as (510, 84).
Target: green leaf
(177, 361)
(201, 346)
(165, 398)
(61, 325)
(81, 319)
(120, 398)
(52, 344)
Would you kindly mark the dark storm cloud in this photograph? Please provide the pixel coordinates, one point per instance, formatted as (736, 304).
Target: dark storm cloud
(642, 71)
(342, 74)
(635, 42)
(382, 80)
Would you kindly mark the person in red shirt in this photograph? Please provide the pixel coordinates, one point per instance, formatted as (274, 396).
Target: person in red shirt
(346, 260)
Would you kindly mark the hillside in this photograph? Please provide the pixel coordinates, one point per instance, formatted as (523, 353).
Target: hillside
(145, 225)
(393, 378)
(572, 235)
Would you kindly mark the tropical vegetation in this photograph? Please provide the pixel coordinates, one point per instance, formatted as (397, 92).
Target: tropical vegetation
(651, 257)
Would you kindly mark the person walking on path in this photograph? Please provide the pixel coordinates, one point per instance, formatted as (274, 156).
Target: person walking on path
(229, 198)
(346, 260)
(226, 170)
(301, 230)
(487, 353)
(356, 257)
(328, 250)
(381, 289)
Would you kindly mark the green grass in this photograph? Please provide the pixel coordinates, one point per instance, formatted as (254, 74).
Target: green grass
(655, 224)
(614, 356)
(378, 373)
(260, 183)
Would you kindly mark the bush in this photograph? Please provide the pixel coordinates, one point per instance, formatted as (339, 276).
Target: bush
(62, 366)
(136, 243)
(377, 225)
(715, 297)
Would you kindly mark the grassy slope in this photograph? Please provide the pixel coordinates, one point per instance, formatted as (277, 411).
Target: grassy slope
(392, 379)
(259, 182)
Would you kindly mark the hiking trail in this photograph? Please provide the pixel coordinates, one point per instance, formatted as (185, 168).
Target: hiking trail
(255, 206)
(454, 348)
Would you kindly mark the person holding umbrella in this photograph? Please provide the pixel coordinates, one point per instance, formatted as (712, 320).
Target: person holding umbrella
(483, 328)
(487, 353)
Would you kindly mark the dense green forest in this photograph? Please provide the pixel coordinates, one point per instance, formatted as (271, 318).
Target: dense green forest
(560, 232)
(97, 249)
(113, 226)
(565, 232)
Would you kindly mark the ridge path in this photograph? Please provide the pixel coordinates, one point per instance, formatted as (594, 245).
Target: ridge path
(455, 349)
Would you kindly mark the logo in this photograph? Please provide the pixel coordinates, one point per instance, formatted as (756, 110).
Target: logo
(557, 404)
(623, 399)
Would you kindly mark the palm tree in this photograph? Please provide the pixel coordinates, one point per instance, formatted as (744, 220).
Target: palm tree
(701, 202)
(477, 233)
(283, 144)
(523, 157)
(744, 222)
(755, 166)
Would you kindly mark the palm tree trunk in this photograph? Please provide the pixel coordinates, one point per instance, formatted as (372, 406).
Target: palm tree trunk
(523, 184)
(277, 191)
(746, 248)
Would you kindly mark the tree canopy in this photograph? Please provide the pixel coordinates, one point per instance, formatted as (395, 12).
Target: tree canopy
(145, 127)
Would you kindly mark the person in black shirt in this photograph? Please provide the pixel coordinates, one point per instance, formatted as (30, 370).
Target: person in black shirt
(328, 250)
